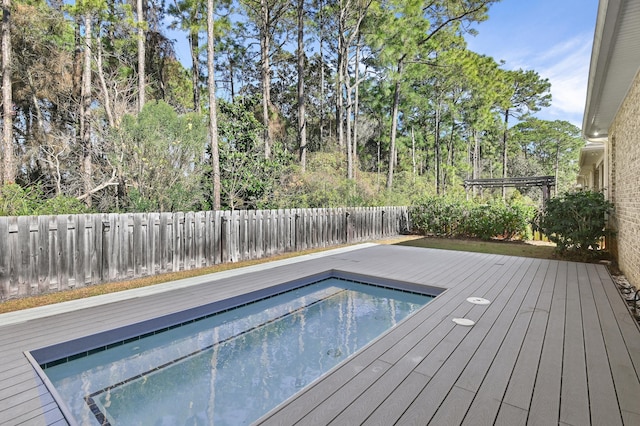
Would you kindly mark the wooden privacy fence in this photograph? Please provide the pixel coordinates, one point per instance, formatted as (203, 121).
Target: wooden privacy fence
(41, 254)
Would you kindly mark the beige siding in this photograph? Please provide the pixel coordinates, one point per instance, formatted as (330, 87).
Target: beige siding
(624, 145)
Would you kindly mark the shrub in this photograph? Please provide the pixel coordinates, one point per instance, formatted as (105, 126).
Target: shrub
(483, 221)
(441, 216)
(18, 201)
(457, 217)
(62, 204)
(576, 220)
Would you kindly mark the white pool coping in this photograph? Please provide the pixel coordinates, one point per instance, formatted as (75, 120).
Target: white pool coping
(88, 302)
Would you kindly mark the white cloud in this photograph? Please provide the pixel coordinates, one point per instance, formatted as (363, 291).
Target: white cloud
(566, 65)
(567, 68)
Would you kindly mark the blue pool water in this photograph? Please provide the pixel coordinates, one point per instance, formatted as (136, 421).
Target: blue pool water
(235, 366)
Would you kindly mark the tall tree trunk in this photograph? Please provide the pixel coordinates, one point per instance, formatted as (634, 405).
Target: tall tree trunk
(413, 153)
(195, 69)
(348, 111)
(321, 76)
(504, 151)
(141, 55)
(450, 157)
(356, 108)
(302, 120)
(8, 160)
(556, 166)
(348, 133)
(103, 84)
(85, 111)
(339, 94)
(394, 128)
(438, 159)
(265, 44)
(476, 159)
(213, 120)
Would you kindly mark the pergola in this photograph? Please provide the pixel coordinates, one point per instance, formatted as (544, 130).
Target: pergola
(544, 182)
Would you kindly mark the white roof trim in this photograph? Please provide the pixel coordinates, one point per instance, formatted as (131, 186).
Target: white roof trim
(615, 60)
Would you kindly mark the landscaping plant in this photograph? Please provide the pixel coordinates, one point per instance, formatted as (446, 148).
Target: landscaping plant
(457, 217)
(576, 221)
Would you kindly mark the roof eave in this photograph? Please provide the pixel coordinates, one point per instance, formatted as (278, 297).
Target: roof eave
(614, 65)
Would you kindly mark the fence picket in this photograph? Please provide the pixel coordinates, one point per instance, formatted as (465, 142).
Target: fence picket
(40, 254)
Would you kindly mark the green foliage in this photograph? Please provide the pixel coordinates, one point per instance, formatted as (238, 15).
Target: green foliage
(452, 103)
(248, 179)
(576, 220)
(549, 147)
(62, 205)
(18, 201)
(456, 217)
(161, 159)
(324, 184)
(440, 215)
(499, 219)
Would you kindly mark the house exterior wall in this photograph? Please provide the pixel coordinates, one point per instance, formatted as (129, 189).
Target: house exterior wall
(593, 177)
(624, 182)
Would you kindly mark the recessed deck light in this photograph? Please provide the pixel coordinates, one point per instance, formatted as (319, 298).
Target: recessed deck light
(478, 300)
(464, 321)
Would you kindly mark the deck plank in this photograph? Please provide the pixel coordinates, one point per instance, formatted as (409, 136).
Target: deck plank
(623, 371)
(490, 393)
(422, 410)
(517, 365)
(508, 415)
(602, 393)
(604, 285)
(574, 398)
(523, 376)
(454, 408)
(545, 400)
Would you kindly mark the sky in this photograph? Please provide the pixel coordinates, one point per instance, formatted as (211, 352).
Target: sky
(553, 38)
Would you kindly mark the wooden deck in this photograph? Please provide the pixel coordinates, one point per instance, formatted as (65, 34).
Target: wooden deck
(556, 345)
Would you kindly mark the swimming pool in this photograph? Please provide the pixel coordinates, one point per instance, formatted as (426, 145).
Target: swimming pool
(230, 366)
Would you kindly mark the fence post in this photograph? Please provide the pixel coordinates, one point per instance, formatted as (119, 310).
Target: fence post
(224, 231)
(346, 227)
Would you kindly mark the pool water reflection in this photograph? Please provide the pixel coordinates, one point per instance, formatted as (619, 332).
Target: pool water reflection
(233, 367)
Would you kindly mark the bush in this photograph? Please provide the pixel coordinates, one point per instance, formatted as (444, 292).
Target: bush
(18, 201)
(441, 216)
(62, 205)
(457, 217)
(576, 220)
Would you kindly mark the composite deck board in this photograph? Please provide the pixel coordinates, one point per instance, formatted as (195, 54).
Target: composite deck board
(515, 366)
(601, 389)
(475, 371)
(397, 400)
(612, 307)
(574, 398)
(523, 376)
(490, 393)
(623, 371)
(545, 399)
(508, 415)
(454, 407)
(473, 347)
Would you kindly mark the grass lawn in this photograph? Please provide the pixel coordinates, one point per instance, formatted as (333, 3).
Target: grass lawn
(537, 250)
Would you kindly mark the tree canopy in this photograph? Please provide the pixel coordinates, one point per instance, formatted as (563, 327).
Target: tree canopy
(311, 103)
